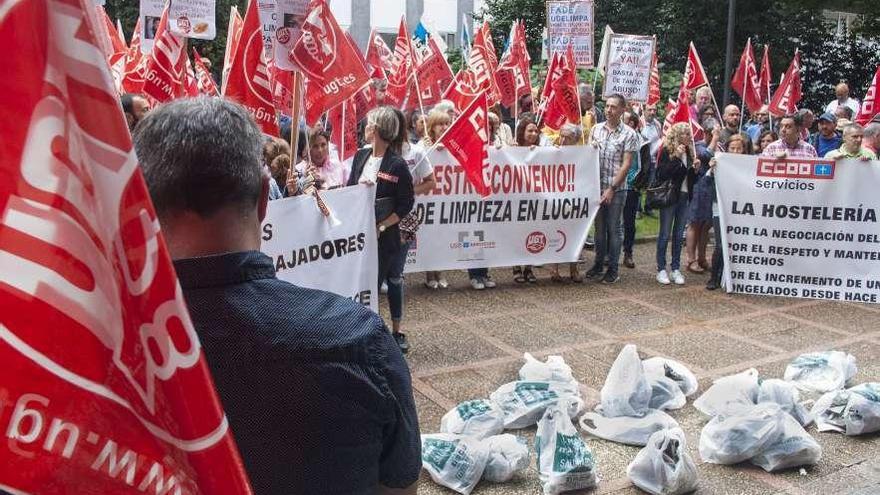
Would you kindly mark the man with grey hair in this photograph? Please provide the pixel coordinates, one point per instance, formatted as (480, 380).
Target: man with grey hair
(852, 145)
(590, 114)
(872, 136)
(317, 393)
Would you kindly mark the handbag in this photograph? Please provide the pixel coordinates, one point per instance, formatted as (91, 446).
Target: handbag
(660, 194)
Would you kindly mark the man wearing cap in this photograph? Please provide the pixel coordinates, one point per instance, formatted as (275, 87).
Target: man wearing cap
(827, 138)
(852, 145)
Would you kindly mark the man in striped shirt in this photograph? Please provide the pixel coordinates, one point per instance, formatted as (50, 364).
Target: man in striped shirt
(790, 144)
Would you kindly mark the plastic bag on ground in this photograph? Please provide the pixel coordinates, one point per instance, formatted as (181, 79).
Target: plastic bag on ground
(454, 461)
(730, 394)
(552, 370)
(793, 447)
(626, 391)
(627, 430)
(508, 454)
(665, 394)
(788, 398)
(733, 438)
(564, 461)
(821, 371)
(854, 411)
(675, 371)
(664, 467)
(479, 418)
(523, 403)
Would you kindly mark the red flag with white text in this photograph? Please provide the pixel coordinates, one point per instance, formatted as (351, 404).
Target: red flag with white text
(788, 94)
(248, 79)
(694, 74)
(464, 89)
(679, 111)
(192, 83)
(364, 101)
(765, 76)
(466, 140)
(105, 387)
(343, 122)
(401, 67)
(562, 100)
(433, 72)
(379, 57)
(233, 35)
(282, 88)
(165, 72)
(745, 80)
(512, 77)
(870, 108)
(135, 64)
(482, 63)
(205, 81)
(654, 82)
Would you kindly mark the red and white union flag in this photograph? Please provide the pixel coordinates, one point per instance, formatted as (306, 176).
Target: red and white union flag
(104, 387)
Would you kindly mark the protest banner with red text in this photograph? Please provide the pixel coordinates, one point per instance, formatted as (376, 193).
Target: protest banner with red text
(104, 388)
(542, 204)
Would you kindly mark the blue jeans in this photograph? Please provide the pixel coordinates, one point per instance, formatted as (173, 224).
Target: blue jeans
(395, 282)
(608, 232)
(672, 219)
(630, 208)
(478, 273)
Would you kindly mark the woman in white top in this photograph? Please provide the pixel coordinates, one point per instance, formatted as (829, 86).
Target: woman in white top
(327, 171)
(437, 123)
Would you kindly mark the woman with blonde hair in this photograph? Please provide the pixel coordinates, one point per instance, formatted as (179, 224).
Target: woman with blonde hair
(675, 169)
(437, 122)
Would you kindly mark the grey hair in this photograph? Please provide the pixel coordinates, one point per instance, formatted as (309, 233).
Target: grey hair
(872, 130)
(200, 155)
(584, 89)
(445, 106)
(572, 128)
(853, 127)
(384, 122)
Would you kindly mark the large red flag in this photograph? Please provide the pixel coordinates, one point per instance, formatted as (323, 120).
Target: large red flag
(233, 35)
(562, 101)
(379, 57)
(467, 140)
(483, 63)
(205, 81)
(432, 71)
(869, 107)
(679, 112)
(654, 82)
(788, 94)
(554, 71)
(343, 122)
(105, 388)
(694, 74)
(512, 76)
(464, 89)
(165, 73)
(332, 64)
(135, 64)
(282, 88)
(401, 67)
(745, 80)
(765, 76)
(248, 80)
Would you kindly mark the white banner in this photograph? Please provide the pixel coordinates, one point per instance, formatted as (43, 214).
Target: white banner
(570, 22)
(800, 228)
(150, 15)
(268, 12)
(311, 250)
(629, 67)
(290, 15)
(542, 204)
(193, 18)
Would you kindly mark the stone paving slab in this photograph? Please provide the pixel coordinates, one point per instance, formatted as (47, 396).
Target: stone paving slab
(467, 343)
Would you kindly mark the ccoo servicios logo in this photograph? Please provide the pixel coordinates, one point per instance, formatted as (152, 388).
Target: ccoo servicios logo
(792, 174)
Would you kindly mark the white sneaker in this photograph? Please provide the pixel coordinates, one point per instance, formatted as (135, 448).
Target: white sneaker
(431, 284)
(488, 283)
(662, 277)
(384, 288)
(677, 277)
(443, 283)
(476, 284)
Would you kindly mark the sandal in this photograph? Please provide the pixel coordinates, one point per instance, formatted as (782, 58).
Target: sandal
(704, 265)
(530, 276)
(698, 269)
(518, 276)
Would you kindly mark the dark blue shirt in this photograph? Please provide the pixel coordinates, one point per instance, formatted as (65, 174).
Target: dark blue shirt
(317, 393)
(824, 145)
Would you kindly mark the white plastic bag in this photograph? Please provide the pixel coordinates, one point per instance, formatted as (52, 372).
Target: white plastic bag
(564, 461)
(508, 454)
(675, 371)
(626, 429)
(523, 403)
(737, 437)
(787, 396)
(454, 461)
(626, 391)
(793, 447)
(730, 394)
(553, 370)
(665, 394)
(479, 418)
(821, 371)
(664, 467)
(854, 411)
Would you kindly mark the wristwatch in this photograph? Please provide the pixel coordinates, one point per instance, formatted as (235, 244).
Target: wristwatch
(382, 228)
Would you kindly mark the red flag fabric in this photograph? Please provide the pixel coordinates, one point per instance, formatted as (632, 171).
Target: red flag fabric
(554, 70)
(486, 41)
(343, 121)
(467, 140)
(364, 101)
(115, 39)
(765, 76)
(433, 73)
(379, 57)
(282, 88)
(233, 35)
(401, 67)
(654, 82)
(135, 64)
(788, 94)
(192, 82)
(679, 112)
(694, 74)
(105, 386)
(331, 63)
(248, 80)
(165, 73)
(562, 101)
(205, 81)
(512, 76)
(745, 80)
(870, 108)
(483, 63)
(464, 89)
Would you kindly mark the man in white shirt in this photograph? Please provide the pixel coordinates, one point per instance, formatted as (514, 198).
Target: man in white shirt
(842, 92)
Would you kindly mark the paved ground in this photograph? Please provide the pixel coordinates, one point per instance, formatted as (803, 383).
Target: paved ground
(466, 343)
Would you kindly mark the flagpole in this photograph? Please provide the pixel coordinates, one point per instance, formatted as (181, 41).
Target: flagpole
(296, 110)
(341, 151)
(742, 105)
